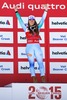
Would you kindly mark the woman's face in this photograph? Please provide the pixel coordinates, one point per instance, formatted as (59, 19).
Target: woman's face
(31, 22)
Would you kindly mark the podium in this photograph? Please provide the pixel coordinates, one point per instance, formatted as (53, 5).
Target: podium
(34, 91)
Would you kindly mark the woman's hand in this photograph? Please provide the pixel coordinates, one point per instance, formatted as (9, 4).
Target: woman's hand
(16, 8)
(46, 7)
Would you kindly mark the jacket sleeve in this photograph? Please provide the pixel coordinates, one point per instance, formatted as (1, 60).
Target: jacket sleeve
(21, 21)
(42, 19)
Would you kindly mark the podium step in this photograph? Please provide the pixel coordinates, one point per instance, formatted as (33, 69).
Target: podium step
(34, 91)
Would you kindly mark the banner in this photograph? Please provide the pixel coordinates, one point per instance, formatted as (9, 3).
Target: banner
(13, 58)
(29, 91)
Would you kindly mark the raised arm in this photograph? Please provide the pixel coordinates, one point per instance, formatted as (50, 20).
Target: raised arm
(20, 19)
(43, 17)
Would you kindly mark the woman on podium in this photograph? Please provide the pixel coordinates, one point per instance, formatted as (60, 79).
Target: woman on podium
(33, 48)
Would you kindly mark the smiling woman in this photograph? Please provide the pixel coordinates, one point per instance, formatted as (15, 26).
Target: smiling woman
(33, 49)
